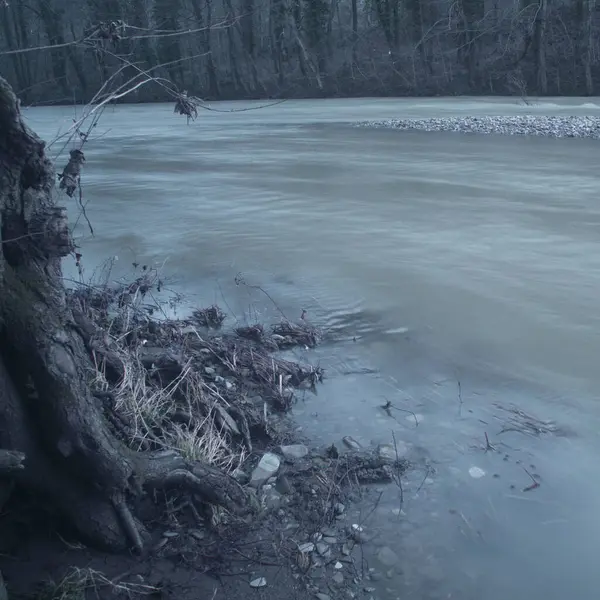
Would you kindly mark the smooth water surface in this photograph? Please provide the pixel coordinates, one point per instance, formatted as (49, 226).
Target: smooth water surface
(457, 276)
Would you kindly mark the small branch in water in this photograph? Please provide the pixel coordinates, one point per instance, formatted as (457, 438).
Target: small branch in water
(388, 409)
(424, 480)
(398, 470)
(239, 280)
(488, 446)
(534, 485)
(460, 398)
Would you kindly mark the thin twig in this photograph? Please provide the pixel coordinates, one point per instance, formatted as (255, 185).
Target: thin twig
(398, 473)
(534, 485)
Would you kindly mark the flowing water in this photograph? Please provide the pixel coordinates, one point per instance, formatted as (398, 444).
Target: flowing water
(458, 277)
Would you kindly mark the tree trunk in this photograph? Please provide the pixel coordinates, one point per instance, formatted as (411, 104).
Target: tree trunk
(3, 594)
(47, 411)
(540, 47)
(587, 40)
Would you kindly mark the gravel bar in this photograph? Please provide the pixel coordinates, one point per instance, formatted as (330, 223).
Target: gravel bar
(548, 126)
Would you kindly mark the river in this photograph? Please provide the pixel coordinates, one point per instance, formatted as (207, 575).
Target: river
(457, 276)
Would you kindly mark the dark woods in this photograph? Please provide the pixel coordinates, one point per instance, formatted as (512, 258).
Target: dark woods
(218, 49)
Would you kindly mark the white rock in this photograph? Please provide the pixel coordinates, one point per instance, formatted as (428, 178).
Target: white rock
(338, 565)
(267, 467)
(258, 582)
(294, 451)
(305, 548)
(476, 472)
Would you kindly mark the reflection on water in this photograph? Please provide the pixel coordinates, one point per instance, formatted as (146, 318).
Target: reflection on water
(431, 259)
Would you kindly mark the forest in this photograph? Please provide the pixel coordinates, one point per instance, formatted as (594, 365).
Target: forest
(63, 51)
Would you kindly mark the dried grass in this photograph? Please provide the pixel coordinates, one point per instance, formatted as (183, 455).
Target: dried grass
(170, 392)
(77, 582)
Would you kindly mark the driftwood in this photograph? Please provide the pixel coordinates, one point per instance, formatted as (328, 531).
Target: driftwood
(47, 410)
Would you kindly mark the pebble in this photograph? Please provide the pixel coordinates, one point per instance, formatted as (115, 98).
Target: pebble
(209, 370)
(330, 540)
(322, 548)
(294, 451)
(537, 125)
(283, 485)
(351, 443)
(307, 547)
(338, 578)
(476, 472)
(197, 534)
(338, 565)
(272, 499)
(258, 582)
(339, 508)
(321, 596)
(267, 467)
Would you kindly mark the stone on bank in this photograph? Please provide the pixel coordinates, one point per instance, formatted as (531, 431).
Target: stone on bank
(294, 451)
(267, 467)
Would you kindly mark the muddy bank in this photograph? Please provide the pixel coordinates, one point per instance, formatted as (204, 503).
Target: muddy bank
(539, 125)
(218, 395)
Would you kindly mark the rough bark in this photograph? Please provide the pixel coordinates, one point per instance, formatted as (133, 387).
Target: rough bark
(3, 594)
(47, 410)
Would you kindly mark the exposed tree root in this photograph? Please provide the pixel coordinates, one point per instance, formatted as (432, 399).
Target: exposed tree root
(47, 410)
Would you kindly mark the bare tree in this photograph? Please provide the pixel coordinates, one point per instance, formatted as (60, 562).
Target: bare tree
(249, 48)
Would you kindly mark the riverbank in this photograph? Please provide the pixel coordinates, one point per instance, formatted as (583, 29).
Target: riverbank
(217, 395)
(538, 125)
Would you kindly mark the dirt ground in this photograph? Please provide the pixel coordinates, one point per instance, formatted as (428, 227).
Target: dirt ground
(218, 397)
(301, 541)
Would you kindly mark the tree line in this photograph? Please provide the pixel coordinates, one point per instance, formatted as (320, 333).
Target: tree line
(62, 51)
